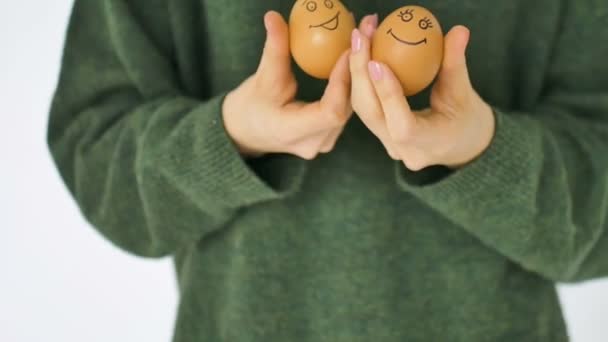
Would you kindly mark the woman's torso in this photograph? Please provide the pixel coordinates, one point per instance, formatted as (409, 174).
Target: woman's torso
(350, 257)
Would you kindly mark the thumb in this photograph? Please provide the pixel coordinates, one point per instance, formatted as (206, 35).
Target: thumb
(276, 59)
(454, 75)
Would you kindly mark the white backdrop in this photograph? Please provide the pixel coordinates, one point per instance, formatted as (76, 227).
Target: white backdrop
(59, 280)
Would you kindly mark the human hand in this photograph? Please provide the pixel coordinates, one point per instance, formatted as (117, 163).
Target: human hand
(456, 129)
(261, 115)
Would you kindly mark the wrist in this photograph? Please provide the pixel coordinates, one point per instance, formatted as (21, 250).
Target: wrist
(483, 140)
(233, 128)
(488, 129)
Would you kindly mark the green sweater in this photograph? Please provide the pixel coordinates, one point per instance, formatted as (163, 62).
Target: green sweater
(350, 246)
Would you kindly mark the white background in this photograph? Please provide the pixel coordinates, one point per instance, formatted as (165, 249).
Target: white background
(59, 280)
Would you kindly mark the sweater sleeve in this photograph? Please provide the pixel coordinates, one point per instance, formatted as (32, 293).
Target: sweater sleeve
(539, 193)
(150, 167)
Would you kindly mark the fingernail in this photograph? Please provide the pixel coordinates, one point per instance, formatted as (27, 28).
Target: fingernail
(375, 70)
(370, 26)
(369, 30)
(374, 20)
(356, 40)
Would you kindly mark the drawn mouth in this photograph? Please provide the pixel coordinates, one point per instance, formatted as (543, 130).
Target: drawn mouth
(390, 31)
(331, 24)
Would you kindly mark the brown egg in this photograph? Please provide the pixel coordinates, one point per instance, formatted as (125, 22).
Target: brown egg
(410, 42)
(319, 32)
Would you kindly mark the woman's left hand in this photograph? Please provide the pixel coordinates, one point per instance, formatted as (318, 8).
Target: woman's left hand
(457, 128)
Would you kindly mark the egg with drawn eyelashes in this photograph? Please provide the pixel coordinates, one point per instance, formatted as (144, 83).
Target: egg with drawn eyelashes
(410, 42)
(319, 33)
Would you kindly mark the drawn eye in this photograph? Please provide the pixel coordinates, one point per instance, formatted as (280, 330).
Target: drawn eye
(425, 23)
(406, 15)
(311, 6)
(329, 4)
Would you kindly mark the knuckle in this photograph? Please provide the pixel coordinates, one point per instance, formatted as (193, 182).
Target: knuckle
(414, 164)
(377, 116)
(271, 86)
(370, 115)
(291, 88)
(282, 137)
(358, 107)
(307, 153)
(401, 136)
(336, 118)
(263, 79)
(391, 151)
(391, 94)
(357, 66)
(441, 151)
(258, 81)
(329, 146)
(393, 155)
(362, 105)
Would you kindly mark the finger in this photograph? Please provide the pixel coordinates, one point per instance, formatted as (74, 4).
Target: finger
(453, 74)
(400, 120)
(368, 25)
(363, 94)
(303, 119)
(275, 63)
(364, 99)
(335, 101)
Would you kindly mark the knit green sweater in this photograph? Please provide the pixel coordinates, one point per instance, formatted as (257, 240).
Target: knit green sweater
(350, 246)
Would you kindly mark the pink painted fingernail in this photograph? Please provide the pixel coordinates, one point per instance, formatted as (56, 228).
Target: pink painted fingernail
(356, 40)
(375, 70)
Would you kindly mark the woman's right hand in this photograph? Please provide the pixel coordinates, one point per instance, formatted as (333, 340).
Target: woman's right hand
(261, 115)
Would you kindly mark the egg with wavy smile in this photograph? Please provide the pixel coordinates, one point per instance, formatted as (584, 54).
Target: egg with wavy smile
(410, 42)
(319, 32)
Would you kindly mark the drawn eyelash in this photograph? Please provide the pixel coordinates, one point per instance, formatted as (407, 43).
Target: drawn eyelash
(425, 23)
(407, 11)
(406, 15)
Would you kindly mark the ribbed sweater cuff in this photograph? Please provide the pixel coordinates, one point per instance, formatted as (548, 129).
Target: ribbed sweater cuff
(224, 178)
(497, 171)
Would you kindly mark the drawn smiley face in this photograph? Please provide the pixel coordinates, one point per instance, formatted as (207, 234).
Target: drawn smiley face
(319, 32)
(322, 14)
(411, 25)
(410, 42)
